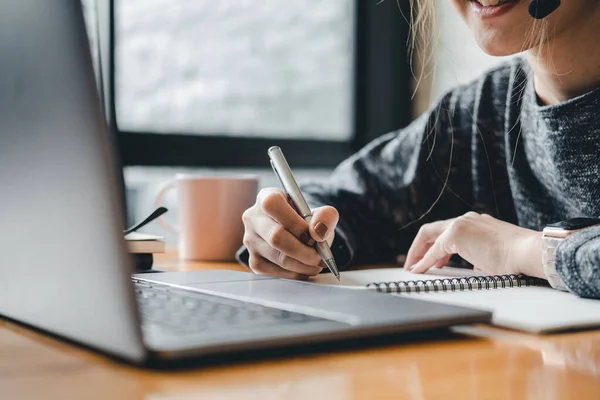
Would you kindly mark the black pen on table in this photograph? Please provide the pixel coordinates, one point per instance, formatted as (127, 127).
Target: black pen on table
(284, 173)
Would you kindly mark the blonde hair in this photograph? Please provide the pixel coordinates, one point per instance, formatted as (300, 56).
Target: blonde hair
(423, 22)
(423, 41)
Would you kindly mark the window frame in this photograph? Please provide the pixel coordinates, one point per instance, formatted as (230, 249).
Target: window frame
(381, 103)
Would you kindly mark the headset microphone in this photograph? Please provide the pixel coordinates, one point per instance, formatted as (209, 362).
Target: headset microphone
(539, 9)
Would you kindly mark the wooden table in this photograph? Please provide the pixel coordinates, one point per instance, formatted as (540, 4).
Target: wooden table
(475, 363)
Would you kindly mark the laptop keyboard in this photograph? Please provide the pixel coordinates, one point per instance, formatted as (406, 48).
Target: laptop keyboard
(185, 312)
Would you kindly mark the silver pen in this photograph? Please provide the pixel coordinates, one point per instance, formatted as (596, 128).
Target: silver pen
(284, 173)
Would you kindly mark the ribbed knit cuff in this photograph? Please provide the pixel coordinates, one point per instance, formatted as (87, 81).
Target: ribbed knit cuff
(577, 261)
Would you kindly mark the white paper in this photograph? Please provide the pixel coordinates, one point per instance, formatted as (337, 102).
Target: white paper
(531, 309)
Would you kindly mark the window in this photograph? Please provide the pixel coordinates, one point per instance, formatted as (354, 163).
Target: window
(215, 83)
(266, 68)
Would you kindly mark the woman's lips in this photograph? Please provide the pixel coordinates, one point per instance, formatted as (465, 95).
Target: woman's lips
(492, 10)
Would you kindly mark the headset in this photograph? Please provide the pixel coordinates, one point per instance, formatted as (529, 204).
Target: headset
(539, 9)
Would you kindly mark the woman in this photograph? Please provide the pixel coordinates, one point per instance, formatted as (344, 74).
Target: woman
(479, 175)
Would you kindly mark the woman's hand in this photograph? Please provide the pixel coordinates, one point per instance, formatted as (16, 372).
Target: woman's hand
(493, 246)
(280, 241)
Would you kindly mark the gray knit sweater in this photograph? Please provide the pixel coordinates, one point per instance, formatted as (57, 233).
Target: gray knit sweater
(509, 157)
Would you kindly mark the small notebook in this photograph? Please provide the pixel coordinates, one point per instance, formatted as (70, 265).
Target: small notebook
(517, 301)
(143, 243)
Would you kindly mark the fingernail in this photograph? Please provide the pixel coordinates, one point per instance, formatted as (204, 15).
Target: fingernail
(306, 239)
(321, 229)
(413, 267)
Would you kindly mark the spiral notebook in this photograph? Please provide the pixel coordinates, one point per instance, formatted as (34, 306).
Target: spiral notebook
(516, 301)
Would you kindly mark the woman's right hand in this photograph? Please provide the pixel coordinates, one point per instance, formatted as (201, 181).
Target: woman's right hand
(280, 242)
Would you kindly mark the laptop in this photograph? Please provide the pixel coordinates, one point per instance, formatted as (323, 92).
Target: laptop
(64, 266)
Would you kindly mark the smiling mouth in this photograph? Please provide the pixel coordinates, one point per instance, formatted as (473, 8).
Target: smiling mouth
(492, 3)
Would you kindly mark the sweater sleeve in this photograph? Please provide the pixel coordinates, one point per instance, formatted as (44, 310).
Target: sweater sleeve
(577, 261)
(398, 182)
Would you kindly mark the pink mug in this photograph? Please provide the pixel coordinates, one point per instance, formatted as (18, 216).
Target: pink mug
(210, 212)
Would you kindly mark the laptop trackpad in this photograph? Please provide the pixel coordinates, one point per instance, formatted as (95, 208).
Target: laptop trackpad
(339, 304)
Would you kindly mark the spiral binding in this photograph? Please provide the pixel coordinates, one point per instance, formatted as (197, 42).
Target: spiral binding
(457, 284)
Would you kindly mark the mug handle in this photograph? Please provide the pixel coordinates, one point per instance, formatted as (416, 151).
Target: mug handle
(160, 197)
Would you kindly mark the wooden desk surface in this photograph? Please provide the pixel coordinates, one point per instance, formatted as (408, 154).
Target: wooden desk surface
(479, 362)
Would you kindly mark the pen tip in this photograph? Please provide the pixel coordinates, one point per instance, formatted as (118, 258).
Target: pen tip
(333, 268)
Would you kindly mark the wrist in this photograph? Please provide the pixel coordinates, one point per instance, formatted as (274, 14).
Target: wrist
(530, 263)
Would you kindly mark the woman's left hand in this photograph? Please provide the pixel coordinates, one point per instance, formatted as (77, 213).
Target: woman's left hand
(493, 246)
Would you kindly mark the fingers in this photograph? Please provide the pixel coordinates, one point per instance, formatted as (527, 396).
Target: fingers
(323, 223)
(274, 203)
(456, 232)
(442, 262)
(279, 238)
(435, 256)
(425, 238)
(261, 266)
(284, 261)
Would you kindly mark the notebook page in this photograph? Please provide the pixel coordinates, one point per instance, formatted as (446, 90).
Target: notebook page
(137, 236)
(359, 279)
(531, 309)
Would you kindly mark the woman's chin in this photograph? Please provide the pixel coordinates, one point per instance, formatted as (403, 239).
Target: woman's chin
(499, 44)
(502, 32)
(496, 50)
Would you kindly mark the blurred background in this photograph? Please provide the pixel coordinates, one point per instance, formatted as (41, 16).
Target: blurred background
(208, 86)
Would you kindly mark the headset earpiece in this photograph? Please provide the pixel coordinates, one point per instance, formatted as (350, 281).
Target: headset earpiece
(539, 9)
